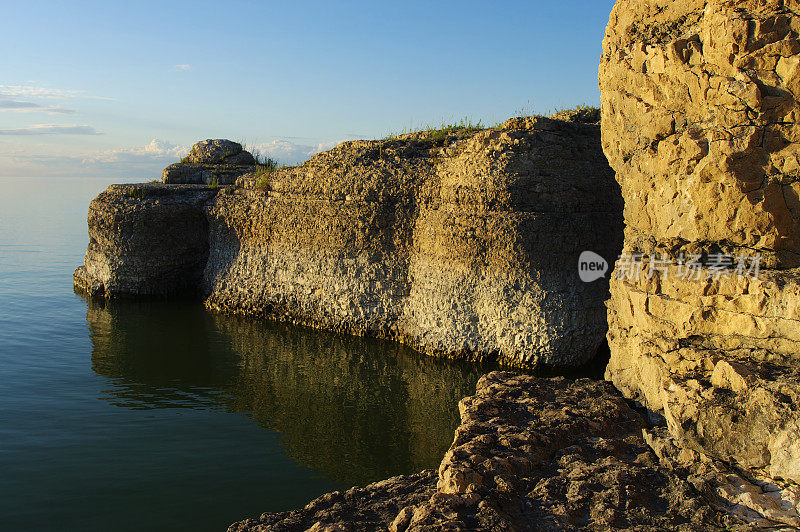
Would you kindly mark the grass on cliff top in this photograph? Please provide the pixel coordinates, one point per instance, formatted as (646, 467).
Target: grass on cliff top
(441, 131)
(265, 166)
(580, 113)
(264, 162)
(581, 107)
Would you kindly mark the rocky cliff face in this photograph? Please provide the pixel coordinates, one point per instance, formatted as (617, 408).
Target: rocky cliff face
(147, 239)
(700, 122)
(458, 243)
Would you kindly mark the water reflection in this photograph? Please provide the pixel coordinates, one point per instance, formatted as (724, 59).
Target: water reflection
(355, 409)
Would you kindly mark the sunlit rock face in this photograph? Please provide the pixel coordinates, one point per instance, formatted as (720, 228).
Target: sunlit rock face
(459, 243)
(700, 122)
(465, 245)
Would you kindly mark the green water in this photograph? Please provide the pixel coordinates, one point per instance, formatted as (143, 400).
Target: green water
(162, 416)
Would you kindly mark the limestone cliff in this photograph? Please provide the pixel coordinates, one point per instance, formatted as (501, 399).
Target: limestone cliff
(460, 243)
(700, 122)
(146, 240)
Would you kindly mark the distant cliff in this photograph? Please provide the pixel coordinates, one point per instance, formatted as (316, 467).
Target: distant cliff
(459, 242)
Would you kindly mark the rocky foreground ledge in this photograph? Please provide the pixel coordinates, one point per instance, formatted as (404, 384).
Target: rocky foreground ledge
(551, 454)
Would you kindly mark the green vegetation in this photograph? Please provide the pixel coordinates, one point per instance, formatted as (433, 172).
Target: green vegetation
(580, 113)
(136, 192)
(213, 182)
(440, 132)
(262, 177)
(577, 108)
(465, 125)
(266, 165)
(263, 160)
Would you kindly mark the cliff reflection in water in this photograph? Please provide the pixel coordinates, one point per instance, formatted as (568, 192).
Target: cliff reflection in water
(358, 410)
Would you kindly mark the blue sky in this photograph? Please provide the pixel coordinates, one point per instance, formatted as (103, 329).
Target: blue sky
(123, 88)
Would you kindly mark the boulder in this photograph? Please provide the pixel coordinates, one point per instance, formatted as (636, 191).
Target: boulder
(212, 161)
(219, 151)
(700, 122)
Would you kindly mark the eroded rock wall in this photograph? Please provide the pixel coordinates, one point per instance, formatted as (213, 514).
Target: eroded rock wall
(699, 120)
(146, 239)
(468, 245)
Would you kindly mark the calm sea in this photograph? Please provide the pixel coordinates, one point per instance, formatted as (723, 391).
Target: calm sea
(160, 415)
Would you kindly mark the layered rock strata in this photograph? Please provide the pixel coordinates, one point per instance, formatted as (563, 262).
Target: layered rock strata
(548, 454)
(212, 161)
(700, 122)
(460, 243)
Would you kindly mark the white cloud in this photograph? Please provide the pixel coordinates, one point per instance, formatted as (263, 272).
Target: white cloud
(52, 129)
(28, 107)
(136, 162)
(183, 67)
(159, 151)
(139, 162)
(290, 153)
(30, 91)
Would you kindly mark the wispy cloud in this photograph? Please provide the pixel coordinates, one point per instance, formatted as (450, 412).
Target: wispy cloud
(183, 67)
(30, 91)
(28, 107)
(52, 129)
(145, 161)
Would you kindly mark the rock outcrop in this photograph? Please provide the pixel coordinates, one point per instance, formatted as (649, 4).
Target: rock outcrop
(700, 122)
(460, 243)
(146, 239)
(548, 454)
(212, 161)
